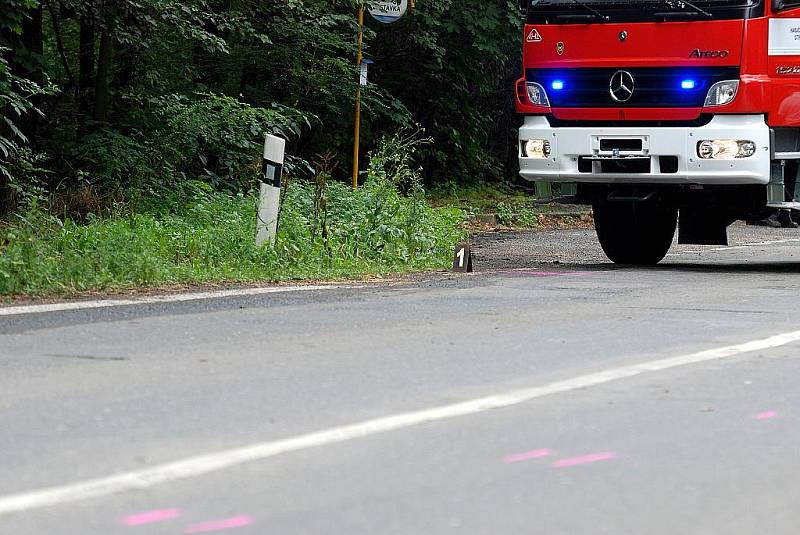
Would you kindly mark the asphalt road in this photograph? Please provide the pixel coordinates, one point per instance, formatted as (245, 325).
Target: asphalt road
(550, 392)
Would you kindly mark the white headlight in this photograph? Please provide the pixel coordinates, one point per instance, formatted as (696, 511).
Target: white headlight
(537, 95)
(722, 93)
(725, 149)
(536, 148)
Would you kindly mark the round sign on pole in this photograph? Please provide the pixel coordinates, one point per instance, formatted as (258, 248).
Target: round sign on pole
(387, 11)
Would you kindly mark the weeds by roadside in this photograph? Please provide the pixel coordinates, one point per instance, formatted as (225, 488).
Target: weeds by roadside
(327, 230)
(492, 207)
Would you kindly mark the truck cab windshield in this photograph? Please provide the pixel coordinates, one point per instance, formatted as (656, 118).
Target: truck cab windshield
(600, 11)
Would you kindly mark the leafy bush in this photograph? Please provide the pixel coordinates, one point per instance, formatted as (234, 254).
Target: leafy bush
(25, 178)
(211, 138)
(215, 137)
(18, 164)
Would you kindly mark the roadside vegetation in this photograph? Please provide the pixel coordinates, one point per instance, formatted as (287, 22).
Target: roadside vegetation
(196, 235)
(510, 206)
(131, 135)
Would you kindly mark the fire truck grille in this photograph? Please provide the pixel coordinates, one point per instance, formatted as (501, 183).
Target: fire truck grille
(653, 87)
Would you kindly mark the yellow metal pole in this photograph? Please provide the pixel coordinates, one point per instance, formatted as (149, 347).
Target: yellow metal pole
(359, 59)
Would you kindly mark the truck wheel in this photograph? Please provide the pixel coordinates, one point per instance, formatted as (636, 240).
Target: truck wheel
(635, 232)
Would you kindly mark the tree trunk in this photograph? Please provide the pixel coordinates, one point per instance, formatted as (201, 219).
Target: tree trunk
(32, 40)
(102, 98)
(86, 55)
(86, 60)
(55, 19)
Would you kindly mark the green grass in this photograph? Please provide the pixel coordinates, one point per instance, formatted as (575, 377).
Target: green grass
(512, 207)
(329, 232)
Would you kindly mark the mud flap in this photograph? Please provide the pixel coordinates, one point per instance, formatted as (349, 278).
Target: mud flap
(697, 226)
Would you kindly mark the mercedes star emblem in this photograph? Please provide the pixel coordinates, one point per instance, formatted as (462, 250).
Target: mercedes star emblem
(621, 86)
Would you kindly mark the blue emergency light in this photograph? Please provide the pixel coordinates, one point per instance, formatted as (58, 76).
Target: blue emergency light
(688, 84)
(558, 85)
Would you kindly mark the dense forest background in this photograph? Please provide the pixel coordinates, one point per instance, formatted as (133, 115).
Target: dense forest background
(104, 101)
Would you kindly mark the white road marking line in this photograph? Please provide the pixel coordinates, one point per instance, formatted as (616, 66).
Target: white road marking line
(733, 247)
(159, 299)
(214, 462)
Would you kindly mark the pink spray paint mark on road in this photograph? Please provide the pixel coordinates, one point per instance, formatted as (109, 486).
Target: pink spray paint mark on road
(150, 517)
(527, 456)
(766, 415)
(552, 273)
(592, 458)
(219, 525)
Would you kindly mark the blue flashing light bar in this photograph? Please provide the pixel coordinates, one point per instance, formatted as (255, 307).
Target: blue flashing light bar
(558, 85)
(688, 84)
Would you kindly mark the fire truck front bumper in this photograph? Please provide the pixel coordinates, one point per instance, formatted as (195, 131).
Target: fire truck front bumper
(730, 149)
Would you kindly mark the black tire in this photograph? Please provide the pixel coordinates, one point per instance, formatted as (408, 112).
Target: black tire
(638, 233)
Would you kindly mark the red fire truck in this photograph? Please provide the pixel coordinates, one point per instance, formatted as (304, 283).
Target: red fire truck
(659, 111)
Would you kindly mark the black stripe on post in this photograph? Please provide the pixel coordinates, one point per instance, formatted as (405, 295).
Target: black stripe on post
(271, 173)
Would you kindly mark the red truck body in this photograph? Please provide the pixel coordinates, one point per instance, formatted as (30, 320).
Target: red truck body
(764, 89)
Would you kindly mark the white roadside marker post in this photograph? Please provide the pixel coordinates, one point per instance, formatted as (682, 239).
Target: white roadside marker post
(270, 190)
